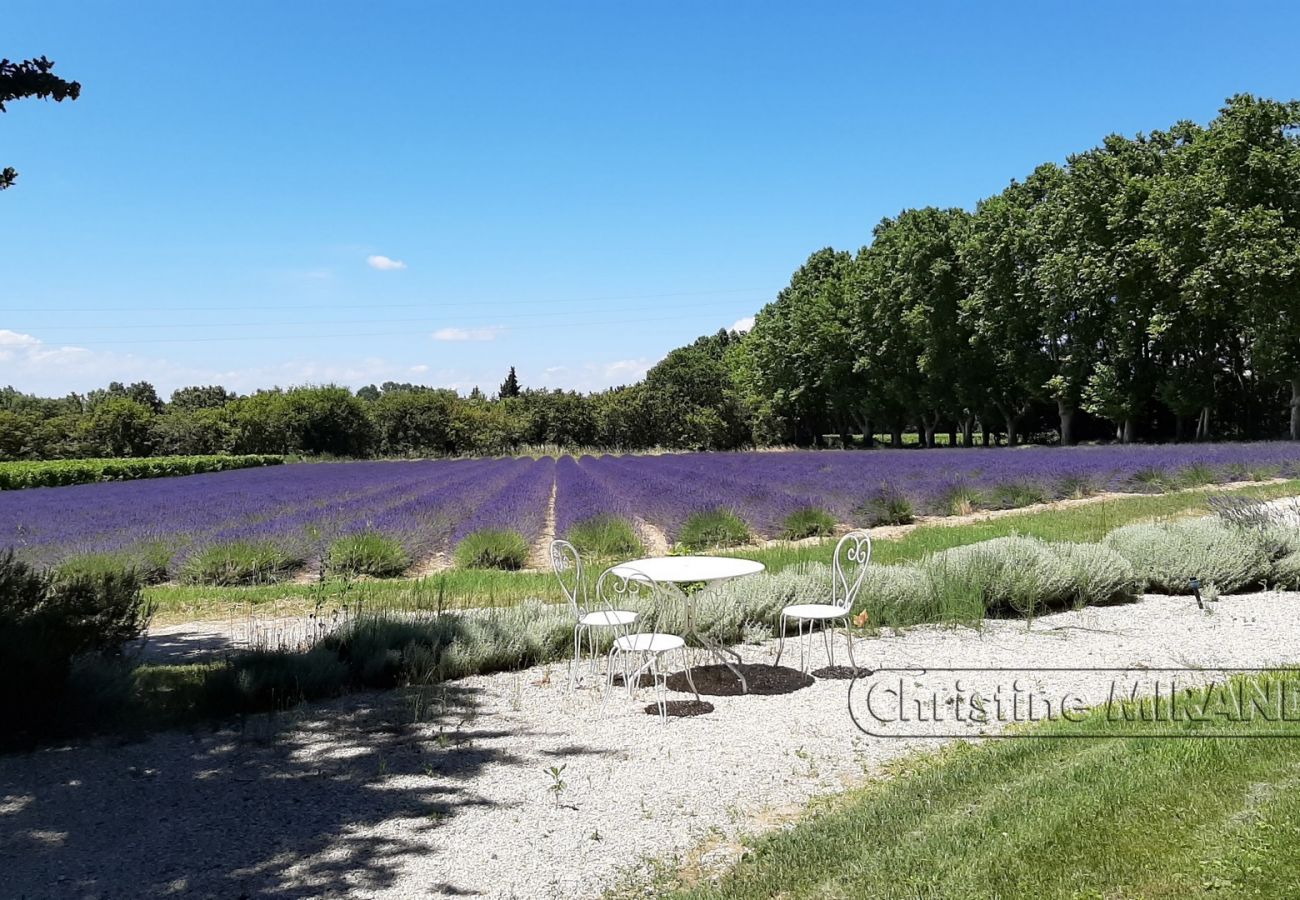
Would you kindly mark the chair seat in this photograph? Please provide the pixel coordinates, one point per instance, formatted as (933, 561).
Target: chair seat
(649, 642)
(814, 611)
(614, 618)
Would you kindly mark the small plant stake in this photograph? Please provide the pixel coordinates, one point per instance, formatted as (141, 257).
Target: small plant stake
(1195, 585)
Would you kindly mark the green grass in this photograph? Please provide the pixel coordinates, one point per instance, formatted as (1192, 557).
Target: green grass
(606, 537)
(492, 548)
(367, 553)
(713, 529)
(461, 588)
(806, 523)
(1117, 816)
(240, 562)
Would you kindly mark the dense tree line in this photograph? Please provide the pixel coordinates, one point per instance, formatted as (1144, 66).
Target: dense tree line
(1147, 289)
(1150, 286)
(687, 401)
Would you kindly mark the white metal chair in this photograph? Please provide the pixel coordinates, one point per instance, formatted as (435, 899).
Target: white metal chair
(567, 565)
(848, 568)
(644, 647)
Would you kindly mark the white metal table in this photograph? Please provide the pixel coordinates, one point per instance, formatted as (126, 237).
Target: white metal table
(713, 571)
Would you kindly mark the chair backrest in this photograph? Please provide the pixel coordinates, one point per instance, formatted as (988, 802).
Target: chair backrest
(621, 588)
(852, 555)
(567, 565)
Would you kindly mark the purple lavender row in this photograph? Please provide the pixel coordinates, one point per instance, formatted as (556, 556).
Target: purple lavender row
(520, 504)
(580, 496)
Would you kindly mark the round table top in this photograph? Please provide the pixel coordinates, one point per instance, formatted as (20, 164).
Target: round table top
(678, 569)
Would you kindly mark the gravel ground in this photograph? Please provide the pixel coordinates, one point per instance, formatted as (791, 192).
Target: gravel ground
(449, 794)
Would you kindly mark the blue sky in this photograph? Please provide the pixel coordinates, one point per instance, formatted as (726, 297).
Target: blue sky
(292, 192)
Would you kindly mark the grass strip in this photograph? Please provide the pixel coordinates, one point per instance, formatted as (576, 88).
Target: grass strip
(1116, 816)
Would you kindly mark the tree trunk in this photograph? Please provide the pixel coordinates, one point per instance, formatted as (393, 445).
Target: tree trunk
(1066, 413)
(1013, 431)
(896, 435)
(952, 435)
(925, 431)
(1295, 409)
(985, 436)
(1180, 428)
(1203, 425)
(1129, 434)
(1012, 420)
(968, 431)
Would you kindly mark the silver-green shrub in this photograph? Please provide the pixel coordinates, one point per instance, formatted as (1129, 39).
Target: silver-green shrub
(1166, 556)
(1097, 573)
(1011, 574)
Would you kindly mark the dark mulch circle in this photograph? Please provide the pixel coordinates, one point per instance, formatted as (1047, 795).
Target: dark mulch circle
(681, 709)
(646, 680)
(718, 680)
(839, 673)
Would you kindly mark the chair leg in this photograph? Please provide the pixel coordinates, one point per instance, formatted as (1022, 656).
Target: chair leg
(577, 655)
(661, 695)
(828, 642)
(848, 639)
(609, 673)
(780, 641)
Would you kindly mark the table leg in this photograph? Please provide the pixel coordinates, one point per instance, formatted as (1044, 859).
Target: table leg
(718, 651)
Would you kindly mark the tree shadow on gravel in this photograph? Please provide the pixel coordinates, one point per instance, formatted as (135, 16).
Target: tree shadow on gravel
(317, 801)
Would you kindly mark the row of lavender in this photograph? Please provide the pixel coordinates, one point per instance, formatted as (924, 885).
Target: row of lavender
(426, 506)
(430, 506)
(765, 488)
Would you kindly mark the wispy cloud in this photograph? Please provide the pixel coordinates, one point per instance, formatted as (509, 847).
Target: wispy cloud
(384, 263)
(468, 334)
(745, 324)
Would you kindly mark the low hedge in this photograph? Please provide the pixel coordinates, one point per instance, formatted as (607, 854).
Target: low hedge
(61, 472)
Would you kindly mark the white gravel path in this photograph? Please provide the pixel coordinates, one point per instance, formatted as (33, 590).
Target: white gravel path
(355, 798)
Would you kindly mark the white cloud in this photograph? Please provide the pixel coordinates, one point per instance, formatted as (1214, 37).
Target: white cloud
(468, 334)
(745, 324)
(420, 369)
(384, 263)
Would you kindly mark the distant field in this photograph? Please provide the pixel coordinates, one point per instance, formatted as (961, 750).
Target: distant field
(429, 506)
(62, 472)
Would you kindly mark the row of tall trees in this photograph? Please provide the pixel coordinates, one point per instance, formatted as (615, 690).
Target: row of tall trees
(687, 401)
(1152, 282)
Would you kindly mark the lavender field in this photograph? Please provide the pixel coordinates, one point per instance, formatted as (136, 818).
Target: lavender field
(429, 506)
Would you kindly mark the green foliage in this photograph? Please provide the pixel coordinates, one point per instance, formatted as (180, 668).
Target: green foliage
(806, 523)
(959, 500)
(240, 563)
(31, 78)
(1015, 494)
(713, 528)
(1166, 556)
(148, 563)
(47, 624)
(887, 506)
(16, 475)
(606, 537)
(492, 548)
(368, 553)
(1196, 475)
